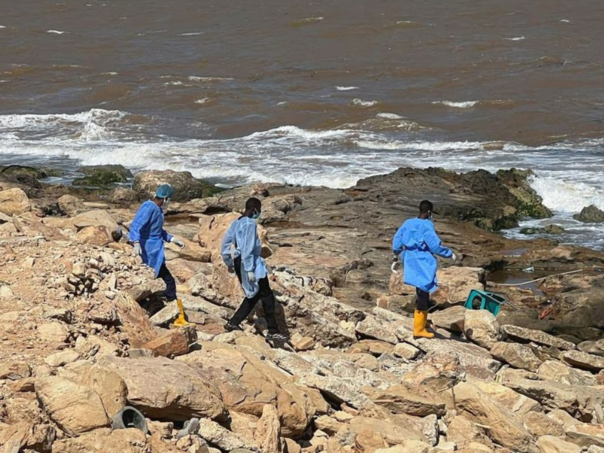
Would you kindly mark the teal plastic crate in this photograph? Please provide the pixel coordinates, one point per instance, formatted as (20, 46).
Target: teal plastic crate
(485, 300)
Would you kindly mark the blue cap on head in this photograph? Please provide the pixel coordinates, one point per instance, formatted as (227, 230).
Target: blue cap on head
(164, 191)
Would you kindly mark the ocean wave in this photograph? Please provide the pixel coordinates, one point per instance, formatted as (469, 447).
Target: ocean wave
(517, 38)
(346, 88)
(55, 32)
(362, 103)
(567, 195)
(458, 105)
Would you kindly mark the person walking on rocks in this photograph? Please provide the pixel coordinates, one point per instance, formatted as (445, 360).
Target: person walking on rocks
(148, 236)
(416, 244)
(240, 251)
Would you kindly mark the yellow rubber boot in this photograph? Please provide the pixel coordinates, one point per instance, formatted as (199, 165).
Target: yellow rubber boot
(420, 320)
(181, 321)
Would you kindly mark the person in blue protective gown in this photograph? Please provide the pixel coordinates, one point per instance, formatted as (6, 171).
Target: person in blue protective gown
(148, 236)
(416, 244)
(240, 250)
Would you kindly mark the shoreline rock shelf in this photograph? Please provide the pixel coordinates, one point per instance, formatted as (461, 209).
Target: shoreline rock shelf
(83, 332)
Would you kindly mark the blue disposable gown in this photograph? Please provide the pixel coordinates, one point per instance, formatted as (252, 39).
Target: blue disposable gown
(241, 240)
(148, 228)
(417, 240)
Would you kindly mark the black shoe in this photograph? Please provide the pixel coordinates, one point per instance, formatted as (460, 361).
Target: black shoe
(277, 337)
(229, 327)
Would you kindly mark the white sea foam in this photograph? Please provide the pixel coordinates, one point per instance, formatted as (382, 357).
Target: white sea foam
(55, 32)
(202, 101)
(458, 105)
(209, 79)
(192, 33)
(517, 38)
(2, 26)
(390, 116)
(346, 88)
(362, 103)
(567, 195)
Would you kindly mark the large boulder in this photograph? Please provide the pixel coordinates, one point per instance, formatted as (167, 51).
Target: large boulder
(517, 355)
(584, 360)
(97, 217)
(14, 201)
(455, 284)
(505, 428)
(407, 399)
(166, 389)
(590, 214)
(186, 187)
(553, 444)
(524, 335)
(481, 327)
(75, 408)
(102, 175)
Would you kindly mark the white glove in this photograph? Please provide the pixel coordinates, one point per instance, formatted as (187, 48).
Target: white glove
(251, 276)
(177, 242)
(454, 257)
(137, 249)
(393, 267)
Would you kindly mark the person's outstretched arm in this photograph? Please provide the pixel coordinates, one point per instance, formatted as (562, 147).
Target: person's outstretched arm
(434, 244)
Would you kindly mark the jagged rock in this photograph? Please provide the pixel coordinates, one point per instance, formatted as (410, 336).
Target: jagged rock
(507, 431)
(592, 347)
(586, 435)
(215, 434)
(122, 195)
(268, 430)
(410, 446)
(97, 235)
(406, 351)
(191, 252)
(374, 328)
(437, 371)
(481, 327)
(563, 418)
(133, 320)
(14, 370)
(527, 335)
(75, 408)
(53, 332)
(517, 355)
(96, 217)
(105, 440)
(301, 343)
(186, 187)
(163, 388)
(551, 444)
(540, 424)
(475, 360)
(557, 371)
(580, 402)
(584, 360)
(590, 214)
(62, 358)
(174, 342)
(25, 435)
(508, 398)
(407, 399)
(110, 387)
(464, 432)
(14, 202)
(455, 283)
(389, 431)
(102, 175)
(340, 389)
(451, 319)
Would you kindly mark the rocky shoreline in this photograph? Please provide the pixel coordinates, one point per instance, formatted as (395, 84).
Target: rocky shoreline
(84, 333)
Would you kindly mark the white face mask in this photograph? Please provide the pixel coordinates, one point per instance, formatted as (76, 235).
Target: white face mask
(165, 204)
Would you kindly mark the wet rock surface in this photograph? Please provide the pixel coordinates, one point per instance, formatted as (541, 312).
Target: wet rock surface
(84, 330)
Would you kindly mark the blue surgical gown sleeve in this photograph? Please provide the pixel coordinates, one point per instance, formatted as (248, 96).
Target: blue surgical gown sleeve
(434, 245)
(227, 248)
(141, 219)
(249, 233)
(167, 237)
(397, 242)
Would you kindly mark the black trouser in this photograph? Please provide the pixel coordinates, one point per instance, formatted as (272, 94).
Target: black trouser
(422, 301)
(166, 276)
(264, 294)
